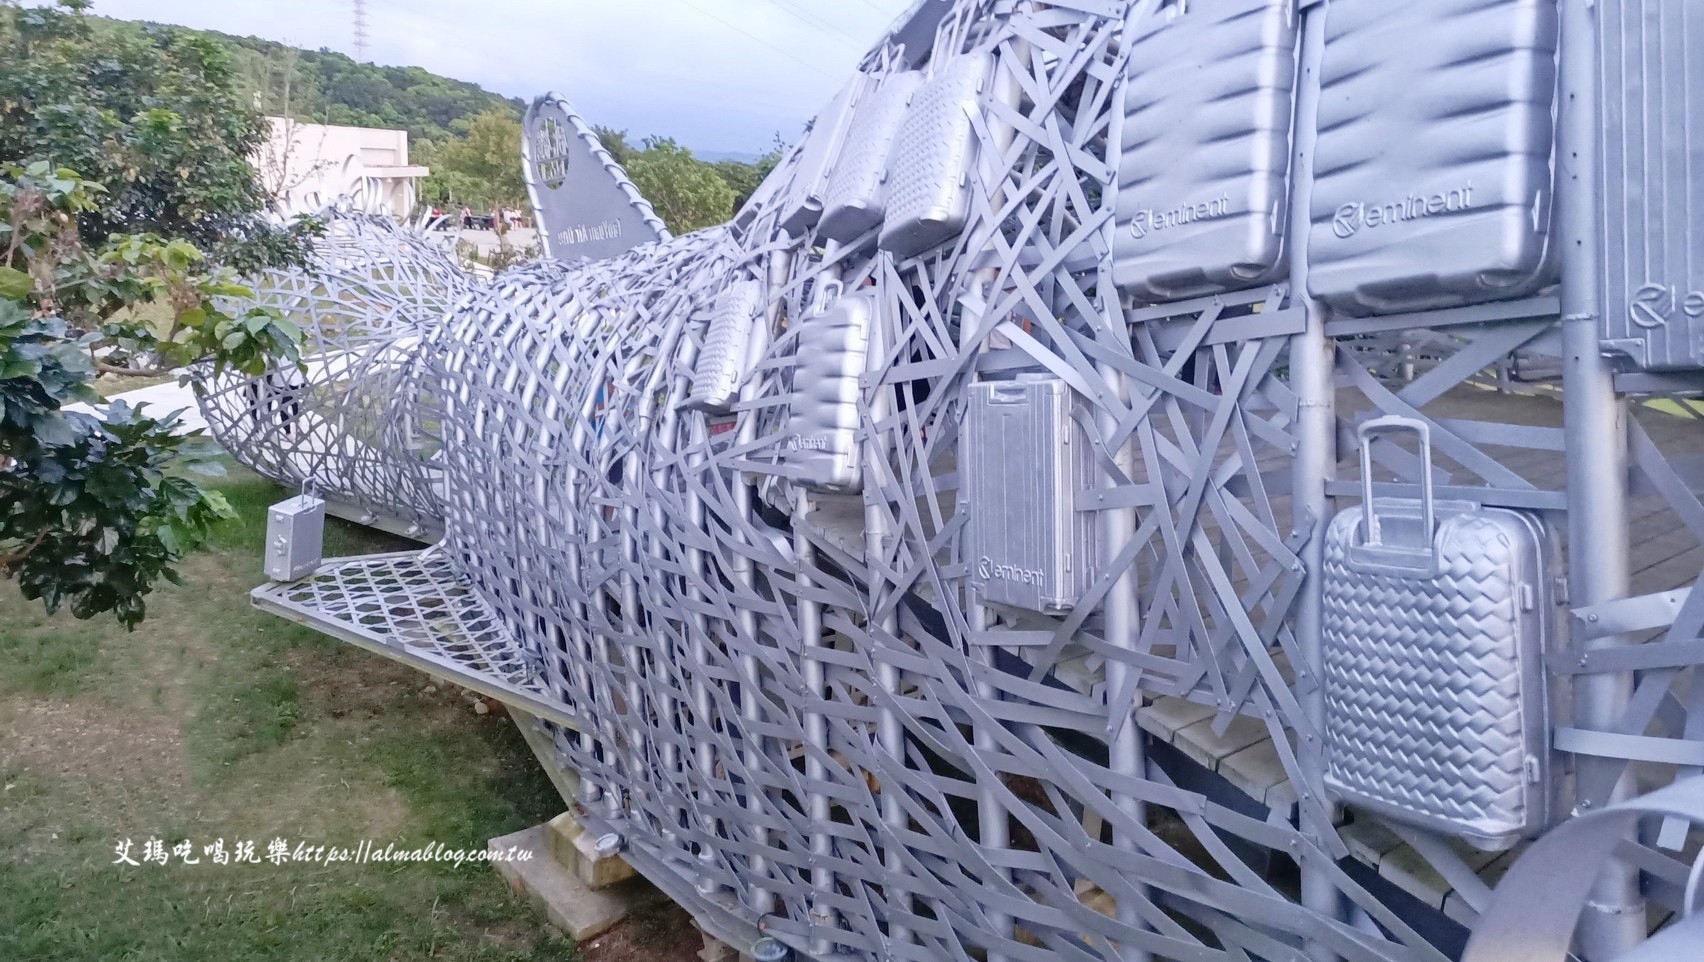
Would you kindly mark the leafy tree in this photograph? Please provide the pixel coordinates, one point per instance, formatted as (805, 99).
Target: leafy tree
(745, 178)
(615, 141)
(157, 117)
(482, 168)
(687, 193)
(93, 514)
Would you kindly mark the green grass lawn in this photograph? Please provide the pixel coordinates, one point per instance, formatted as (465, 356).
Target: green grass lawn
(216, 722)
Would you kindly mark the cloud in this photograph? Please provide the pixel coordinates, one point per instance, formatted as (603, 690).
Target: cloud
(717, 75)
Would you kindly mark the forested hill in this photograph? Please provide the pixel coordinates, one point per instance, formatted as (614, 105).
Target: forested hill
(324, 86)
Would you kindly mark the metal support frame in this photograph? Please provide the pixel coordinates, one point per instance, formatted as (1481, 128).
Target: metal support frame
(1596, 425)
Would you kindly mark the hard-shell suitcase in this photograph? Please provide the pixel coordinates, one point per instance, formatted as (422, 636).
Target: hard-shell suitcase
(855, 198)
(1436, 620)
(1432, 182)
(1203, 180)
(1028, 460)
(822, 422)
(802, 205)
(928, 198)
(720, 367)
(1653, 196)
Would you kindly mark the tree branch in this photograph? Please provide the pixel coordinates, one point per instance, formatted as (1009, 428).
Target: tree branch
(10, 561)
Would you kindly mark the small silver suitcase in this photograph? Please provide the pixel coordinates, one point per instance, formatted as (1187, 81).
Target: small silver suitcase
(855, 200)
(720, 367)
(1203, 180)
(1029, 459)
(295, 537)
(1436, 620)
(928, 198)
(1433, 184)
(822, 421)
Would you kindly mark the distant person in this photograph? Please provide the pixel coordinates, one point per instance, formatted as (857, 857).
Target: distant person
(467, 217)
(275, 399)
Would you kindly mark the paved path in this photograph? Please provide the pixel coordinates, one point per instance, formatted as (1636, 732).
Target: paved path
(162, 399)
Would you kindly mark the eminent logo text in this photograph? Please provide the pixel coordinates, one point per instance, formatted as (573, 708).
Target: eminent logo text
(1149, 221)
(1351, 218)
(987, 570)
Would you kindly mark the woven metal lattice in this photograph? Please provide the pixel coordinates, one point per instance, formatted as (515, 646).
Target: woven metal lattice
(718, 494)
(352, 417)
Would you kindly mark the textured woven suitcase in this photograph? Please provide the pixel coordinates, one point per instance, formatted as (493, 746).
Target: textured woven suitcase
(1213, 82)
(928, 198)
(720, 367)
(855, 198)
(803, 204)
(1436, 621)
(1432, 183)
(1029, 459)
(823, 418)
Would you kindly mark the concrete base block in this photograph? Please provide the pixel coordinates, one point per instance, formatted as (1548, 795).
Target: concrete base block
(571, 845)
(568, 903)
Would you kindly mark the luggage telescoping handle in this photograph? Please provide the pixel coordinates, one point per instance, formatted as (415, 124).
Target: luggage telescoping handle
(1391, 425)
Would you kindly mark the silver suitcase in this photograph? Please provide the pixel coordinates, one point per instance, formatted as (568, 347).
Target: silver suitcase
(934, 155)
(822, 421)
(1436, 620)
(295, 537)
(802, 205)
(1432, 183)
(1653, 196)
(720, 367)
(854, 200)
(1213, 84)
(1028, 460)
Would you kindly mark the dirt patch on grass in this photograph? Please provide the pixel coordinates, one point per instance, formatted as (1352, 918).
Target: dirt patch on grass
(82, 740)
(660, 931)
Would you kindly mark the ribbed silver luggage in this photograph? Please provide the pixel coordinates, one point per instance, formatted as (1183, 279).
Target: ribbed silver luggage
(720, 366)
(822, 421)
(855, 199)
(934, 155)
(1436, 621)
(1203, 180)
(1653, 195)
(1027, 460)
(1433, 177)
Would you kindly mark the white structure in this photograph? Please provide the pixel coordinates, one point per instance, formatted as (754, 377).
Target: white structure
(303, 166)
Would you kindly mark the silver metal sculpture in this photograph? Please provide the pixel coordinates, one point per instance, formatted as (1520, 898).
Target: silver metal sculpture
(352, 418)
(939, 561)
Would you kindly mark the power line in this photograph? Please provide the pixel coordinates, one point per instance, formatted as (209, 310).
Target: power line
(741, 30)
(809, 20)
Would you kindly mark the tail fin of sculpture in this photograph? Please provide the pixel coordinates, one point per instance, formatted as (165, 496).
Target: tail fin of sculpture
(584, 204)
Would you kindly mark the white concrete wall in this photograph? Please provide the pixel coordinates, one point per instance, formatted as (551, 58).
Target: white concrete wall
(306, 166)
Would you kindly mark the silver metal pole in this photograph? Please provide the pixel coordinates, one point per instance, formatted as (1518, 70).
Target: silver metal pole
(991, 816)
(1126, 754)
(1595, 425)
(751, 702)
(1311, 363)
(890, 731)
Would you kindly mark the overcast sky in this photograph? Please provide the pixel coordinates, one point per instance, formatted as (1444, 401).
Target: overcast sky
(650, 66)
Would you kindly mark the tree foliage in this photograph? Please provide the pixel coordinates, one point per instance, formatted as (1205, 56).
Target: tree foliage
(156, 116)
(93, 513)
(326, 87)
(686, 193)
(481, 168)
